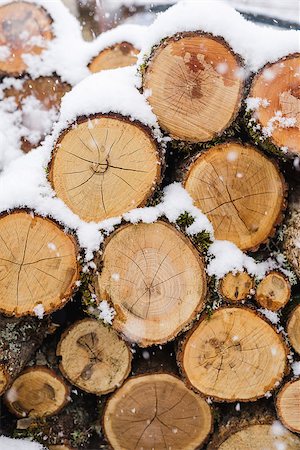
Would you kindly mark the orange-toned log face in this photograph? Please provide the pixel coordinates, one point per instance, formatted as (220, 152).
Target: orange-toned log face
(25, 28)
(119, 55)
(279, 84)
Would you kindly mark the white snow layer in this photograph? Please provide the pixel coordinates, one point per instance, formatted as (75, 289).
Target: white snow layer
(255, 43)
(18, 444)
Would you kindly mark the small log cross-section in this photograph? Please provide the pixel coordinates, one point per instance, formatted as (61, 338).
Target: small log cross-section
(25, 28)
(38, 264)
(274, 291)
(93, 357)
(154, 278)
(195, 86)
(293, 329)
(259, 437)
(240, 191)
(19, 339)
(42, 94)
(37, 392)
(156, 411)
(288, 405)
(236, 287)
(233, 356)
(119, 55)
(278, 112)
(105, 166)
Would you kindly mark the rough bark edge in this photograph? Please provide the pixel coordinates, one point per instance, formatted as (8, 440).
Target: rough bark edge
(66, 332)
(265, 143)
(160, 152)
(291, 251)
(51, 22)
(278, 399)
(74, 287)
(199, 447)
(233, 123)
(197, 311)
(285, 277)
(54, 375)
(182, 343)
(110, 47)
(190, 163)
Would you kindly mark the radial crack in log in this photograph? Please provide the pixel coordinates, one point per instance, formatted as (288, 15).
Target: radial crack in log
(288, 405)
(156, 411)
(233, 356)
(37, 392)
(236, 287)
(38, 264)
(241, 192)
(102, 159)
(274, 291)
(293, 329)
(93, 357)
(119, 55)
(196, 86)
(35, 97)
(276, 91)
(25, 28)
(154, 278)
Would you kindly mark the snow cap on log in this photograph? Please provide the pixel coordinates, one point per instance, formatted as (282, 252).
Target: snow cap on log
(19, 444)
(116, 48)
(57, 55)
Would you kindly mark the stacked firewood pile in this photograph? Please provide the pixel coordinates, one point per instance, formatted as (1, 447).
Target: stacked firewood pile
(156, 350)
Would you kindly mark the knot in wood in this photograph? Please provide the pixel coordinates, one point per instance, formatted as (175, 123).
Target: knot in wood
(99, 168)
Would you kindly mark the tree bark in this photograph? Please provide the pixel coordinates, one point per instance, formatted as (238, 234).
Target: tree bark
(274, 120)
(16, 20)
(110, 156)
(241, 192)
(38, 264)
(156, 411)
(233, 356)
(155, 280)
(122, 54)
(19, 338)
(195, 84)
(291, 241)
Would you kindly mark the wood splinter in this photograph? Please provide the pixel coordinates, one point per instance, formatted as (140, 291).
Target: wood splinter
(236, 287)
(162, 412)
(37, 392)
(93, 357)
(274, 291)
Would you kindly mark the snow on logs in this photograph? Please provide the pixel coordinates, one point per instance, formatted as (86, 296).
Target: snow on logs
(93, 357)
(240, 357)
(38, 264)
(273, 106)
(37, 392)
(162, 412)
(25, 28)
(240, 190)
(101, 159)
(195, 86)
(154, 278)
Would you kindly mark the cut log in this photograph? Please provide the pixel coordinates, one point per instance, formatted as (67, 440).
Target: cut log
(19, 338)
(274, 291)
(195, 86)
(38, 265)
(93, 357)
(293, 329)
(37, 392)
(258, 437)
(288, 405)
(233, 356)
(102, 159)
(42, 94)
(236, 287)
(119, 55)
(17, 20)
(291, 242)
(275, 119)
(156, 411)
(155, 280)
(241, 192)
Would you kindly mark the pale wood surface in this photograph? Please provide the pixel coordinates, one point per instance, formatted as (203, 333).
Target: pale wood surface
(236, 287)
(274, 291)
(293, 329)
(119, 55)
(288, 405)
